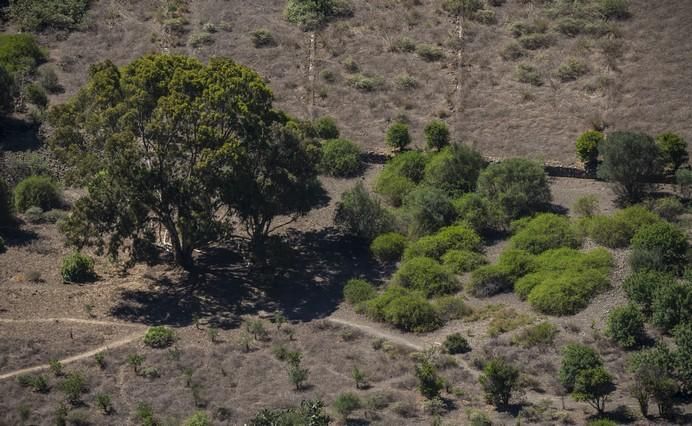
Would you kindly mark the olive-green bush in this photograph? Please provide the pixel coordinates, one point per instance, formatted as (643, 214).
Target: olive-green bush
(642, 287)
(517, 263)
(616, 230)
(671, 306)
(626, 326)
(340, 158)
(326, 128)
(310, 15)
(358, 291)
(587, 146)
(159, 337)
(361, 215)
(400, 176)
(77, 268)
(398, 136)
(37, 191)
(436, 134)
(388, 247)
(490, 280)
(672, 149)
(36, 15)
(456, 237)
(451, 307)
(460, 261)
(425, 275)
(455, 343)
(478, 212)
(426, 210)
(544, 232)
(454, 169)
(405, 309)
(665, 243)
(575, 359)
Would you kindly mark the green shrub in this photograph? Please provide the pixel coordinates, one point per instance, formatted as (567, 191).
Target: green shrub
(587, 146)
(499, 380)
(520, 187)
(361, 215)
(77, 268)
(544, 232)
(388, 247)
(571, 27)
(310, 15)
(36, 95)
(400, 176)
(642, 287)
(409, 164)
(629, 161)
(456, 237)
(429, 382)
(490, 280)
(20, 53)
(522, 28)
(671, 306)
(575, 359)
(394, 188)
(586, 206)
(366, 83)
(683, 178)
(614, 9)
(517, 263)
(665, 242)
(74, 385)
(429, 52)
(683, 355)
(529, 74)
(436, 134)
(159, 337)
(403, 44)
(673, 150)
(542, 334)
(460, 261)
(465, 8)
(408, 310)
(454, 169)
(427, 210)
(37, 383)
(340, 158)
(406, 82)
(326, 128)
(478, 212)
(455, 343)
(425, 275)
(357, 291)
(626, 326)
(536, 41)
(37, 191)
(669, 208)
(451, 308)
(617, 230)
(594, 386)
(346, 403)
(512, 52)
(33, 15)
(398, 136)
(200, 418)
(572, 70)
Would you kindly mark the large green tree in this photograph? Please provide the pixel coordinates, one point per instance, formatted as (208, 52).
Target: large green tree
(168, 142)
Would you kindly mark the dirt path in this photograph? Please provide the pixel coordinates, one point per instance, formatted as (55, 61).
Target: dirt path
(74, 320)
(367, 329)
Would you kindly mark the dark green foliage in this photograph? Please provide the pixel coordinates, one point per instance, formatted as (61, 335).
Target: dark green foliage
(408, 310)
(37, 383)
(346, 403)
(673, 150)
(544, 232)
(20, 54)
(500, 380)
(388, 247)
(326, 128)
(490, 280)
(614, 9)
(664, 243)
(617, 230)
(103, 401)
(460, 261)
(74, 385)
(77, 268)
(536, 41)
(542, 334)
(575, 359)
(159, 337)
(436, 134)
(429, 52)
(517, 263)
(456, 237)
(478, 212)
(310, 413)
(669, 208)
(626, 326)
(429, 382)
(587, 146)
(629, 160)
(400, 176)
(671, 305)
(427, 210)
(652, 370)
(361, 215)
(200, 418)
(358, 291)
(340, 158)
(451, 308)
(298, 375)
(37, 191)
(312, 14)
(455, 343)
(260, 38)
(643, 287)
(683, 354)
(455, 170)
(520, 187)
(145, 414)
(398, 136)
(36, 15)
(593, 386)
(425, 275)
(36, 95)
(572, 70)
(465, 8)
(49, 79)
(529, 74)
(683, 178)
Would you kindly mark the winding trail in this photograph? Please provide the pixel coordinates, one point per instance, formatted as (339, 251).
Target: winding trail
(379, 333)
(82, 355)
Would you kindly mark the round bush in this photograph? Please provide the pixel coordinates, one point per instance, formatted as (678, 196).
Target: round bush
(361, 215)
(159, 337)
(665, 242)
(357, 291)
(520, 187)
(37, 191)
(388, 247)
(567, 293)
(398, 136)
(427, 210)
(200, 418)
(587, 146)
(517, 263)
(575, 359)
(437, 134)
(616, 231)
(340, 158)
(460, 261)
(671, 306)
(400, 176)
(77, 268)
(673, 150)
(626, 326)
(489, 280)
(642, 287)
(425, 275)
(455, 169)
(457, 237)
(404, 309)
(409, 164)
(325, 128)
(669, 208)
(544, 232)
(456, 344)
(478, 212)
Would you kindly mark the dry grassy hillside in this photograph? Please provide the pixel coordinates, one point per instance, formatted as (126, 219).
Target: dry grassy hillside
(646, 87)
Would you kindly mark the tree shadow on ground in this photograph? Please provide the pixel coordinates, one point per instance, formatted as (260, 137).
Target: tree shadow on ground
(15, 236)
(305, 283)
(18, 135)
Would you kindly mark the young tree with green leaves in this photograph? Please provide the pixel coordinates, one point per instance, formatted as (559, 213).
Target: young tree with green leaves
(593, 386)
